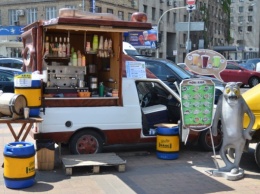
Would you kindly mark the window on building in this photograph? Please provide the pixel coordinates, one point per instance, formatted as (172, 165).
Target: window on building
(241, 0)
(121, 15)
(168, 16)
(70, 6)
(231, 9)
(241, 9)
(13, 18)
(31, 15)
(161, 12)
(240, 29)
(174, 18)
(153, 13)
(110, 11)
(50, 13)
(249, 28)
(231, 19)
(144, 8)
(240, 18)
(98, 9)
(250, 8)
(250, 18)
(129, 15)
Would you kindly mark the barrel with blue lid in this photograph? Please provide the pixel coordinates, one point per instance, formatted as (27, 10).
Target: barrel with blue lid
(19, 165)
(167, 143)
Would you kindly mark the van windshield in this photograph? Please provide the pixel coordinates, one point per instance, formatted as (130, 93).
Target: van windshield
(132, 52)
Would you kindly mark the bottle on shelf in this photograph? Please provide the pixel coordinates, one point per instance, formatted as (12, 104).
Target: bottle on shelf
(101, 47)
(68, 47)
(64, 47)
(88, 48)
(56, 46)
(95, 43)
(74, 59)
(105, 48)
(51, 46)
(60, 48)
(110, 48)
(83, 60)
(79, 58)
(71, 52)
(101, 89)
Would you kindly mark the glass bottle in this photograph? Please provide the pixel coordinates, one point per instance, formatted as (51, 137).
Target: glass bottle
(68, 47)
(60, 48)
(64, 48)
(101, 89)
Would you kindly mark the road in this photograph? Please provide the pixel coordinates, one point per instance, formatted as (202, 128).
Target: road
(145, 173)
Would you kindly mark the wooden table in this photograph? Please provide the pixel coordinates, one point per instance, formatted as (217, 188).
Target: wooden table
(26, 125)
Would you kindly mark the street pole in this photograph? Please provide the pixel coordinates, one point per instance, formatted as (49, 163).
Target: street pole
(188, 37)
(158, 27)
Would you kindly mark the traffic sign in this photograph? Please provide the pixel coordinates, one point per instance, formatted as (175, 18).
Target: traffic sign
(190, 7)
(191, 2)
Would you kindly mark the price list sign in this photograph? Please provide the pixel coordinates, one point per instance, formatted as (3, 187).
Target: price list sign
(197, 102)
(135, 69)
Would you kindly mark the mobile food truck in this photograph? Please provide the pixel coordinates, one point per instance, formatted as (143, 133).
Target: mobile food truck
(87, 101)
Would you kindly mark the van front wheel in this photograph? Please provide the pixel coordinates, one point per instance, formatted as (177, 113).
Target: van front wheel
(86, 142)
(257, 154)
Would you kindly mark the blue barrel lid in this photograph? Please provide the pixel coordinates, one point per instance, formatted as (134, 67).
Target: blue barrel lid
(19, 149)
(168, 131)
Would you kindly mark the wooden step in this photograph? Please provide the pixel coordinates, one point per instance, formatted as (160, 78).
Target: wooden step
(92, 160)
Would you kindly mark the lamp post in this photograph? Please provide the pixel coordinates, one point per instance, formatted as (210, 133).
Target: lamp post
(158, 26)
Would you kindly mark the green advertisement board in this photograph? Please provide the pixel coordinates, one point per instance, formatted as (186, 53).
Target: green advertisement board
(197, 103)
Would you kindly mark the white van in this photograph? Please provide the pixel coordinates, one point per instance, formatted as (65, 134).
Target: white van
(128, 49)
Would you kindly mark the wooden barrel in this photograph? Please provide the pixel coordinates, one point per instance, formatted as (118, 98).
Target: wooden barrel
(12, 104)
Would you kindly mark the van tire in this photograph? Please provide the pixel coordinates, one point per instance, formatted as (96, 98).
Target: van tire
(205, 140)
(257, 154)
(86, 142)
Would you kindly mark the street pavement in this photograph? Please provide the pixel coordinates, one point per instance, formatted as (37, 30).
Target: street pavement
(145, 173)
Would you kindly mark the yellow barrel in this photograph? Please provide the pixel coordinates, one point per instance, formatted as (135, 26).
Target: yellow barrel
(19, 165)
(32, 94)
(167, 144)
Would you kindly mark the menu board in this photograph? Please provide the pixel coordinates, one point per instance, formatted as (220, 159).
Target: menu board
(197, 102)
(135, 69)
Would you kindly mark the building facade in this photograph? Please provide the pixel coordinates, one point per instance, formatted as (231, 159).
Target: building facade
(173, 41)
(245, 28)
(231, 27)
(17, 13)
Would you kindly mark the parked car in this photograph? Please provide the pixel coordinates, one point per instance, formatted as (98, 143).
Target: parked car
(15, 63)
(253, 61)
(169, 72)
(7, 79)
(249, 66)
(236, 73)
